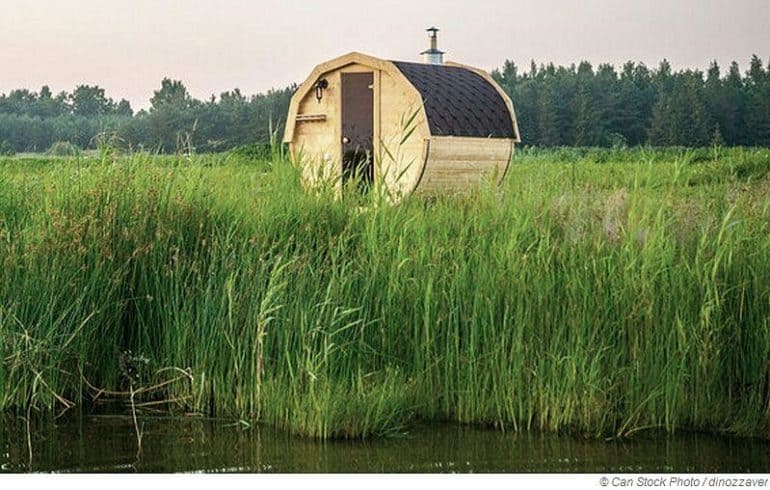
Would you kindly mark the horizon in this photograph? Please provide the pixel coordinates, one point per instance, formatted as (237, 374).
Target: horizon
(217, 50)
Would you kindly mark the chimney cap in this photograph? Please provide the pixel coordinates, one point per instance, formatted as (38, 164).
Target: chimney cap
(434, 54)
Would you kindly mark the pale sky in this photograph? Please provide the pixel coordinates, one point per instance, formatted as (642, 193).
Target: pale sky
(127, 47)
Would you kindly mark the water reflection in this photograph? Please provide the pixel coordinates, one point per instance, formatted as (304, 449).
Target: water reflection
(102, 443)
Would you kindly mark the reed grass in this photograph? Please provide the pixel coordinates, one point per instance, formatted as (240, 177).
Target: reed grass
(602, 296)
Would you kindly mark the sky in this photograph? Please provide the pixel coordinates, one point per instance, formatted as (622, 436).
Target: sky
(128, 47)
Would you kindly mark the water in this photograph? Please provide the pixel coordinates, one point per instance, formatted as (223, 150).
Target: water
(103, 443)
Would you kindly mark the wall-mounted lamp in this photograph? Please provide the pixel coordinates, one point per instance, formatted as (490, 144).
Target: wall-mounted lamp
(320, 86)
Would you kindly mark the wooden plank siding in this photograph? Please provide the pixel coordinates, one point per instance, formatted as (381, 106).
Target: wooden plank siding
(458, 163)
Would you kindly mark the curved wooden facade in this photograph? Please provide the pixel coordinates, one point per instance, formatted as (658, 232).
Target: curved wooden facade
(424, 128)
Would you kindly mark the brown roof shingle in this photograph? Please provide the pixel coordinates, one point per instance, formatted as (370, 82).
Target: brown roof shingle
(459, 102)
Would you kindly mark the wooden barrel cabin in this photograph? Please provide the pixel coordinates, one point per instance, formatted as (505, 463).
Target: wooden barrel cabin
(420, 127)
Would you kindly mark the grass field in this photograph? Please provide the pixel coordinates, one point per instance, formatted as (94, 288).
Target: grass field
(598, 292)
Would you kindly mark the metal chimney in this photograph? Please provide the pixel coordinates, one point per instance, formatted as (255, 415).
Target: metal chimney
(433, 56)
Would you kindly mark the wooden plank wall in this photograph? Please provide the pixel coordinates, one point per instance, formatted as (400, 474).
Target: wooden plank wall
(458, 163)
(400, 161)
(316, 143)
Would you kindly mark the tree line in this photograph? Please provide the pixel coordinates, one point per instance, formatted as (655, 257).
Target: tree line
(578, 105)
(583, 106)
(38, 121)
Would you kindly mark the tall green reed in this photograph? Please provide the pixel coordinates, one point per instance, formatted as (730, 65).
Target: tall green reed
(637, 298)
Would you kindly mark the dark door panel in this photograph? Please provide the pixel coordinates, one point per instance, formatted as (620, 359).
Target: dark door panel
(357, 126)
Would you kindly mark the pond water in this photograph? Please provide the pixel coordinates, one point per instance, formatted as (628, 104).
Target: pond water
(105, 443)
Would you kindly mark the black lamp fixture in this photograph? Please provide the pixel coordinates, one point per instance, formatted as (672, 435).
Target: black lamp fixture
(320, 86)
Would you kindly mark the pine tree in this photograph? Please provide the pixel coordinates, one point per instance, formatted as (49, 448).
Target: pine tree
(661, 130)
(548, 128)
(758, 104)
(587, 125)
(733, 108)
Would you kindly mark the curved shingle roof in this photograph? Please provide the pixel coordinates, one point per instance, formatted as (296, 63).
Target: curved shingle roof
(459, 102)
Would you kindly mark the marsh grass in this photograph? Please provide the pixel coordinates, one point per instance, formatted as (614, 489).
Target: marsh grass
(596, 298)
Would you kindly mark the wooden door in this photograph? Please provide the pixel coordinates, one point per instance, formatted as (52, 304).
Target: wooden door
(358, 128)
